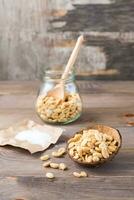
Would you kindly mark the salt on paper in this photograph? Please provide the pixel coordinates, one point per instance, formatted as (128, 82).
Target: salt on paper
(30, 135)
(33, 137)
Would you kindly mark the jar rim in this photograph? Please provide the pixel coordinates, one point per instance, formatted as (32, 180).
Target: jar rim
(55, 75)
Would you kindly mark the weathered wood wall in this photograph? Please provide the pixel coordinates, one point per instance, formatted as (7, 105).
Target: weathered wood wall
(40, 34)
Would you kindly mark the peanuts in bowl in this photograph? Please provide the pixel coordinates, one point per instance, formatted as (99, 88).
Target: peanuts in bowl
(95, 145)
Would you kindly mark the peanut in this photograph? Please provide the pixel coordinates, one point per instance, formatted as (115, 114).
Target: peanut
(54, 165)
(44, 157)
(83, 174)
(84, 142)
(112, 148)
(89, 159)
(62, 150)
(95, 159)
(75, 138)
(59, 153)
(79, 150)
(71, 152)
(99, 155)
(97, 149)
(76, 174)
(98, 136)
(62, 166)
(50, 175)
(86, 149)
(76, 156)
(105, 153)
(46, 164)
(114, 143)
(71, 145)
(55, 154)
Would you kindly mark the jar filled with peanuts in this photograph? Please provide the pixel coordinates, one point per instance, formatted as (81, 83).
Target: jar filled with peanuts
(58, 111)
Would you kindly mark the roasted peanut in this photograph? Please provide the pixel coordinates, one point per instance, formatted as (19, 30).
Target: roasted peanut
(86, 149)
(112, 148)
(71, 145)
(46, 164)
(83, 174)
(98, 136)
(105, 153)
(54, 165)
(55, 154)
(62, 166)
(97, 149)
(79, 150)
(75, 138)
(97, 143)
(89, 159)
(50, 175)
(76, 156)
(71, 152)
(99, 155)
(62, 150)
(44, 157)
(76, 174)
(59, 153)
(95, 159)
(114, 143)
(84, 142)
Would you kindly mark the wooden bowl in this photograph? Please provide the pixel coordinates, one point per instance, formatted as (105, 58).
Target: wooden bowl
(105, 130)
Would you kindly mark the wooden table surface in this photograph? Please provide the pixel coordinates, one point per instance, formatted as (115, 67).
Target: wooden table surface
(22, 176)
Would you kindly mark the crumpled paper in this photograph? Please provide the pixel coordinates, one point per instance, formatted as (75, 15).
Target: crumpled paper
(30, 135)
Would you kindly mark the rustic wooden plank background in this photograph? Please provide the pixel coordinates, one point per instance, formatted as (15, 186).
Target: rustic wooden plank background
(40, 34)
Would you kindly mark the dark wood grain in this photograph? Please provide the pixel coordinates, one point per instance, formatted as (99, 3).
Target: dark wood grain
(34, 188)
(118, 16)
(37, 34)
(22, 176)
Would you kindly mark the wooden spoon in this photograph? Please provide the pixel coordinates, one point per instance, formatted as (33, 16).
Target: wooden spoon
(58, 91)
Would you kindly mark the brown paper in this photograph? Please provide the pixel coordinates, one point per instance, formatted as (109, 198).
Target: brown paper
(30, 135)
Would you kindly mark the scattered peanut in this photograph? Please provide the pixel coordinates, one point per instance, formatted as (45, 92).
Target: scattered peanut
(81, 174)
(76, 174)
(46, 164)
(55, 154)
(54, 165)
(59, 153)
(62, 150)
(44, 157)
(49, 175)
(62, 166)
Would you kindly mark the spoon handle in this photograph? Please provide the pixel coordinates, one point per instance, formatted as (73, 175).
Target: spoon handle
(73, 57)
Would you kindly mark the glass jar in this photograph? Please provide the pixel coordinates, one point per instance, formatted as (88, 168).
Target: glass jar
(52, 110)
